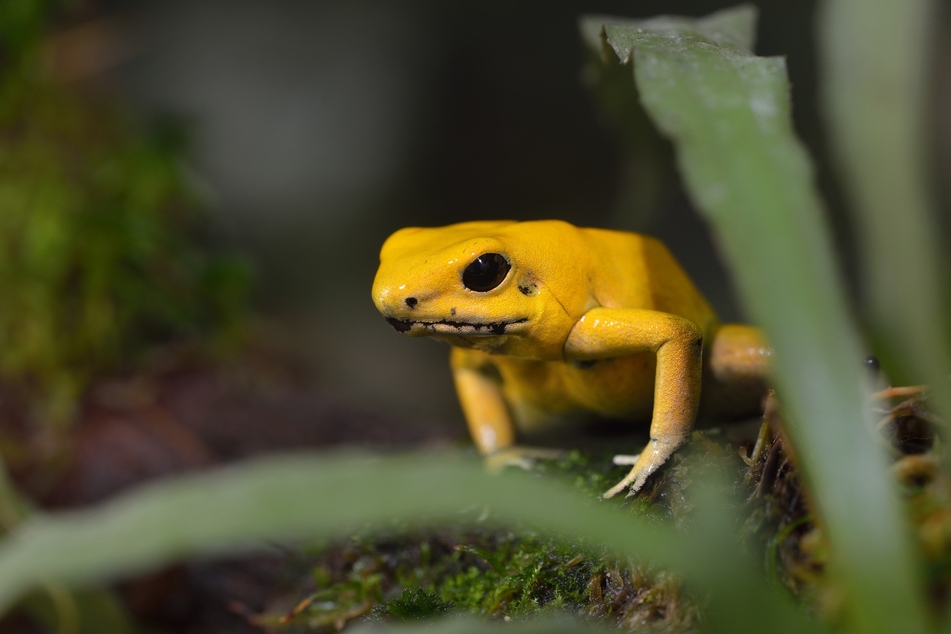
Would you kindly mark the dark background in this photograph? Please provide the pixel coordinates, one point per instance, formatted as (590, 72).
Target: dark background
(320, 127)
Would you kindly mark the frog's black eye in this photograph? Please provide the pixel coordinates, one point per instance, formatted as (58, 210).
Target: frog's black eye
(486, 272)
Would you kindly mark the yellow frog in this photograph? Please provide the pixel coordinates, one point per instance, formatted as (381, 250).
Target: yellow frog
(549, 322)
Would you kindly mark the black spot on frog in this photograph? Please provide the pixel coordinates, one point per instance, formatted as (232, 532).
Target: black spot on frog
(528, 289)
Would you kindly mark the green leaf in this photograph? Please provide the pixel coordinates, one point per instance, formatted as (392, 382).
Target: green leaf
(325, 495)
(470, 625)
(727, 113)
(875, 89)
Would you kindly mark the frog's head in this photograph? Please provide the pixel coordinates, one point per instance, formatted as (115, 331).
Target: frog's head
(502, 287)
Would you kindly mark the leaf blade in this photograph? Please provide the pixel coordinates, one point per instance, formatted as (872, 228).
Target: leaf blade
(287, 497)
(728, 115)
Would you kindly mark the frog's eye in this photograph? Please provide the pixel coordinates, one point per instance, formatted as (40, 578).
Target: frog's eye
(486, 272)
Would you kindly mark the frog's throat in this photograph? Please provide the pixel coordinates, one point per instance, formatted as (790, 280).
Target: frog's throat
(445, 326)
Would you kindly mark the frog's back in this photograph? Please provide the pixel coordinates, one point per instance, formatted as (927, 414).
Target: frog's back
(638, 271)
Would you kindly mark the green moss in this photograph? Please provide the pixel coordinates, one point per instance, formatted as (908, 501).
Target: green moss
(412, 605)
(499, 573)
(414, 574)
(102, 252)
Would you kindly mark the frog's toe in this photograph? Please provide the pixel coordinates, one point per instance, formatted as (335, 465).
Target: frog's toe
(645, 463)
(521, 457)
(633, 481)
(505, 458)
(630, 480)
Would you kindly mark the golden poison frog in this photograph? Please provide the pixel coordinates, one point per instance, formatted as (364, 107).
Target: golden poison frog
(550, 322)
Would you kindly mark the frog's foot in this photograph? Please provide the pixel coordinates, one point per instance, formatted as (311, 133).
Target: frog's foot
(521, 457)
(645, 463)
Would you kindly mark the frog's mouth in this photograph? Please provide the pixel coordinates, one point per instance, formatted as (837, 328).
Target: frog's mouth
(445, 326)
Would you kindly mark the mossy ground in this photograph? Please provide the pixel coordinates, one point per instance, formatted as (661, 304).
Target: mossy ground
(507, 574)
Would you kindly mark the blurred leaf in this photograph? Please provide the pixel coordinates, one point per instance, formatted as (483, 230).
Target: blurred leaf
(470, 625)
(90, 611)
(313, 496)
(875, 88)
(728, 115)
(648, 175)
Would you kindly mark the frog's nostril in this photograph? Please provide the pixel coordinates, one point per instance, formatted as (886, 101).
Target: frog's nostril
(411, 302)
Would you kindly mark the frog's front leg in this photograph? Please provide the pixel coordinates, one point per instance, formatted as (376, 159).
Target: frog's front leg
(480, 396)
(678, 344)
(487, 414)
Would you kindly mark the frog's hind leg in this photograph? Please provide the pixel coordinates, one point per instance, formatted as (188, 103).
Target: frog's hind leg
(736, 369)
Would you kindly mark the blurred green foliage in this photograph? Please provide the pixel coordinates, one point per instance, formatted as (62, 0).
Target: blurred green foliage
(101, 252)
